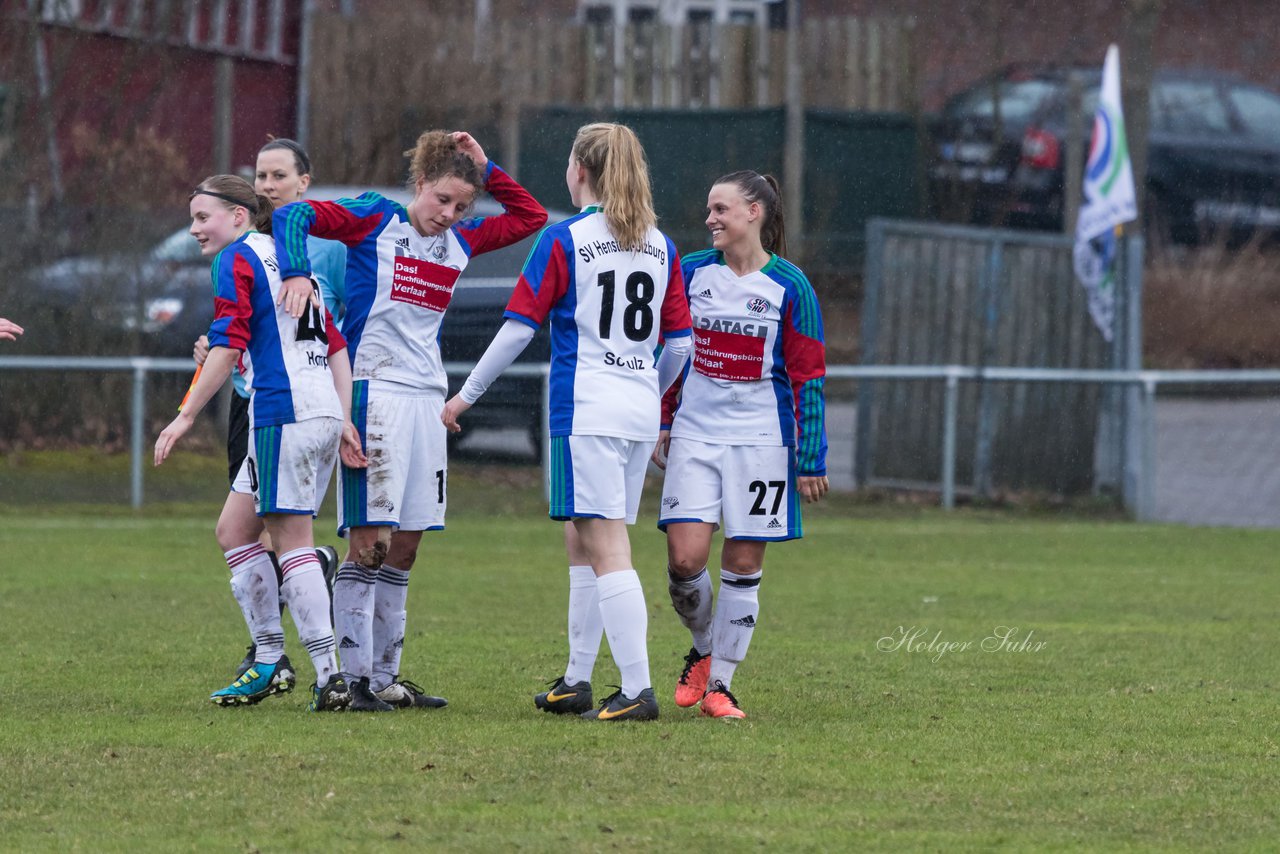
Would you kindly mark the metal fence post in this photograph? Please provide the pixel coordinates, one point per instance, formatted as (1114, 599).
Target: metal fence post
(137, 420)
(950, 410)
(872, 284)
(1146, 510)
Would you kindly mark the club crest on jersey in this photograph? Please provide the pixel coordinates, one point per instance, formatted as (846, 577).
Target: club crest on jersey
(758, 305)
(439, 251)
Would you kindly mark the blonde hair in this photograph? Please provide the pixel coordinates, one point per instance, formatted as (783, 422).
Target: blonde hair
(436, 155)
(619, 175)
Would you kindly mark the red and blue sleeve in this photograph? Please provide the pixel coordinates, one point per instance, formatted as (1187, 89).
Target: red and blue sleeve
(336, 341)
(804, 355)
(522, 215)
(233, 278)
(676, 322)
(349, 221)
(543, 282)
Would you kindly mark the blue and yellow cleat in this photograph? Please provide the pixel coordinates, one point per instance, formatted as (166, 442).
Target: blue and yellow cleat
(258, 682)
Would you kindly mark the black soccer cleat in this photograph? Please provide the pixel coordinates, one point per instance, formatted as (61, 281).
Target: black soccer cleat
(563, 699)
(403, 694)
(364, 700)
(617, 707)
(335, 696)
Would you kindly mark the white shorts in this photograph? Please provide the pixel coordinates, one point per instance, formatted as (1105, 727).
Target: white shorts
(597, 477)
(405, 485)
(752, 486)
(288, 466)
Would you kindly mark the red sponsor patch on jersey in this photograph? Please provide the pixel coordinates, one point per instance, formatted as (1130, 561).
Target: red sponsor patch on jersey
(423, 283)
(727, 356)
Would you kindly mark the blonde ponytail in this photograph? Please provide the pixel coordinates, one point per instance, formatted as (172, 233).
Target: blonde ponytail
(619, 174)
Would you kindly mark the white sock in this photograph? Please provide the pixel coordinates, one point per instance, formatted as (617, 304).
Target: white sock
(353, 600)
(692, 600)
(390, 593)
(253, 583)
(733, 624)
(586, 626)
(626, 623)
(308, 599)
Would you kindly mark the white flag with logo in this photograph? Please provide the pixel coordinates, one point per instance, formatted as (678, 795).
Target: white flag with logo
(1109, 199)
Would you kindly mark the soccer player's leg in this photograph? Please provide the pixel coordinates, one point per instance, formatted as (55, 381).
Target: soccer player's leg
(571, 692)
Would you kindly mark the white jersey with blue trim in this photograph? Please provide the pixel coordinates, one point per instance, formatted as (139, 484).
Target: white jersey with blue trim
(607, 306)
(286, 360)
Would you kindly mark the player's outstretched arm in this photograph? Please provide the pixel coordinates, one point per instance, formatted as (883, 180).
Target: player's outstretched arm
(217, 367)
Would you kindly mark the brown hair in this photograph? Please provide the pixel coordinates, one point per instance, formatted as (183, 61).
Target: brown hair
(436, 155)
(301, 161)
(763, 189)
(234, 191)
(619, 175)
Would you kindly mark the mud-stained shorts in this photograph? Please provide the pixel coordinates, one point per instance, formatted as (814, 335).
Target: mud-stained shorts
(752, 486)
(289, 466)
(597, 477)
(406, 483)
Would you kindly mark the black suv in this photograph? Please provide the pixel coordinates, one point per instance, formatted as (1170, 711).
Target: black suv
(1213, 164)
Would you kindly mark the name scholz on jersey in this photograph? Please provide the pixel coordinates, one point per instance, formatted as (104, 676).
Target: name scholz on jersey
(597, 248)
(635, 363)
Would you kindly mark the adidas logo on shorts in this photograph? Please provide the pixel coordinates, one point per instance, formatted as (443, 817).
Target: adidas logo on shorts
(774, 523)
(348, 643)
(747, 622)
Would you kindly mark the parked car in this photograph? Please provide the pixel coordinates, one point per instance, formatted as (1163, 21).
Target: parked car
(160, 301)
(1213, 161)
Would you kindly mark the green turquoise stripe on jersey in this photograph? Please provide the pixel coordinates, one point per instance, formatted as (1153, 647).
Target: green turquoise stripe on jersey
(812, 413)
(561, 477)
(355, 482)
(699, 256)
(297, 224)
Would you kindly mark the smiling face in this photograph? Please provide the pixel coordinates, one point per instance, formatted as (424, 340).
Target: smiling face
(439, 204)
(276, 177)
(214, 224)
(731, 218)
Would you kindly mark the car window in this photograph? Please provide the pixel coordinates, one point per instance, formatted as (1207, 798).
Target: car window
(1189, 107)
(180, 247)
(1259, 111)
(1019, 100)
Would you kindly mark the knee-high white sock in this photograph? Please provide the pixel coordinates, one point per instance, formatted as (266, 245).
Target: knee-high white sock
(390, 593)
(626, 623)
(308, 598)
(692, 600)
(353, 600)
(733, 624)
(253, 583)
(586, 626)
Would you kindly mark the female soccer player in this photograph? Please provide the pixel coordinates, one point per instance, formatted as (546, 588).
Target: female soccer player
(748, 439)
(282, 174)
(402, 264)
(300, 404)
(610, 282)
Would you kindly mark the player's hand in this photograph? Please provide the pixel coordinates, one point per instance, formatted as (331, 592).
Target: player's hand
(452, 412)
(662, 449)
(170, 435)
(351, 450)
(812, 488)
(9, 330)
(201, 350)
(467, 145)
(296, 294)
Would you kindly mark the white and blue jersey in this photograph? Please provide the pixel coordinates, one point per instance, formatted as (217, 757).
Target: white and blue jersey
(758, 364)
(398, 282)
(286, 360)
(608, 308)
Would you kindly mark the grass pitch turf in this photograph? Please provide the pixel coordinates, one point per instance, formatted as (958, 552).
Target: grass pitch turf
(1131, 705)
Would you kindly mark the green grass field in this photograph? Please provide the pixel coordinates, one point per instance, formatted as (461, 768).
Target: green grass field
(1140, 713)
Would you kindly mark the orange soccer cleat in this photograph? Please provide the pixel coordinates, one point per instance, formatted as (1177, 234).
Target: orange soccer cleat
(719, 703)
(692, 683)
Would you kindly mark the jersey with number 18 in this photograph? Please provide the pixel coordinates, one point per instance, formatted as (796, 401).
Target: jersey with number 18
(608, 308)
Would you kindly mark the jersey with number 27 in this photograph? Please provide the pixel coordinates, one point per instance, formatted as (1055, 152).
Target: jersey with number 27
(286, 360)
(608, 307)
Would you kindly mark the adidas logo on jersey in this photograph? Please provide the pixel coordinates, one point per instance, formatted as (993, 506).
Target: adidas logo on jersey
(402, 242)
(348, 643)
(747, 622)
(706, 292)
(774, 523)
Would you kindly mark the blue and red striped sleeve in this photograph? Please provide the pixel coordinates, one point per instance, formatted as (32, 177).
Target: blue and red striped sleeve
(676, 322)
(233, 278)
(347, 221)
(522, 217)
(544, 280)
(804, 355)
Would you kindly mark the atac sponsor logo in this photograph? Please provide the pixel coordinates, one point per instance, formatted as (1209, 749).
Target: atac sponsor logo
(758, 305)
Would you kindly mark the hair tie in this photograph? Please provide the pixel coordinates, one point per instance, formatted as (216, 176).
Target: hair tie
(252, 208)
